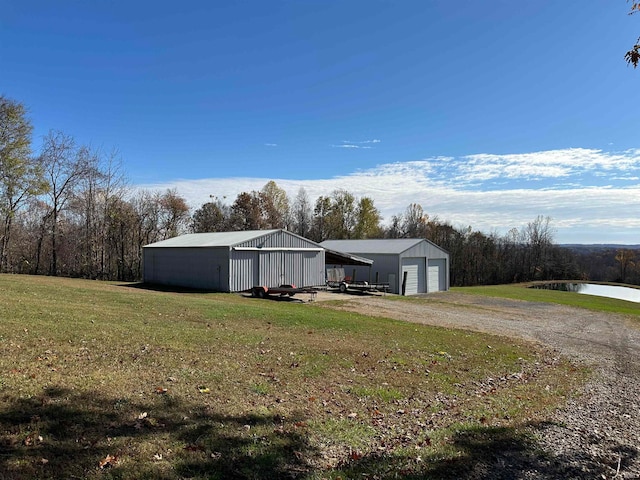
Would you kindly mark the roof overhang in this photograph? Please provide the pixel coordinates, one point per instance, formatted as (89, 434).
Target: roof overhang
(333, 257)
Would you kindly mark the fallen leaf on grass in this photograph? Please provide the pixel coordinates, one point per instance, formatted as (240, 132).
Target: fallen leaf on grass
(108, 461)
(161, 390)
(203, 389)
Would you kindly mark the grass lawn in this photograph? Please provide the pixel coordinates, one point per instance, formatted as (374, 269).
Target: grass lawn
(102, 380)
(522, 292)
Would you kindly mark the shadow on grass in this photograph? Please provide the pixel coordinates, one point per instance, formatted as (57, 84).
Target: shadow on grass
(488, 453)
(67, 434)
(164, 288)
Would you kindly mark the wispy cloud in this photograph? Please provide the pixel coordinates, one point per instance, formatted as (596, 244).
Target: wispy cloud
(592, 196)
(349, 145)
(364, 144)
(270, 144)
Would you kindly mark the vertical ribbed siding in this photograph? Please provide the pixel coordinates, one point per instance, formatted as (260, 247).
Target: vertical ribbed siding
(313, 268)
(271, 269)
(242, 270)
(279, 239)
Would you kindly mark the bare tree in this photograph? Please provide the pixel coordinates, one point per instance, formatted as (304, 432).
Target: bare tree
(320, 227)
(626, 259)
(63, 165)
(414, 223)
(302, 213)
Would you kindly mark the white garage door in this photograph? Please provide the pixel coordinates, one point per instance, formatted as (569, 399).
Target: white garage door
(437, 275)
(415, 270)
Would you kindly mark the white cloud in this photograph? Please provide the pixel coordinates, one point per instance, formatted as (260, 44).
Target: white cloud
(486, 192)
(364, 144)
(349, 145)
(270, 144)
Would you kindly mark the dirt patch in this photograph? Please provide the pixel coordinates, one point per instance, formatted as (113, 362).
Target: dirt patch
(597, 433)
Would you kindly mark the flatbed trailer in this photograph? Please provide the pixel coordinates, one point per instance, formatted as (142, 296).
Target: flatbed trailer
(362, 286)
(262, 291)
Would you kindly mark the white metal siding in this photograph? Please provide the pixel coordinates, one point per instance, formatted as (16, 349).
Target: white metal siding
(411, 273)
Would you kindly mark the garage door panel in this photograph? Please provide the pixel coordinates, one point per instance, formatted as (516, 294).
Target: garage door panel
(436, 276)
(416, 275)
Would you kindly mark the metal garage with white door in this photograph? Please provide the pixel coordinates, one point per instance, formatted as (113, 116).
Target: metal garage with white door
(411, 266)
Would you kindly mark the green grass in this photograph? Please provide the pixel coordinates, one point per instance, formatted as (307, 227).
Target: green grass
(102, 380)
(522, 292)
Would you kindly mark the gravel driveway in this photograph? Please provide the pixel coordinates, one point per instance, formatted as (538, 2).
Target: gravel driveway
(596, 435)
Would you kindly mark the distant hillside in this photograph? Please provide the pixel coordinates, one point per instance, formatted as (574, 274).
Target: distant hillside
(600, 262)
(579, 247)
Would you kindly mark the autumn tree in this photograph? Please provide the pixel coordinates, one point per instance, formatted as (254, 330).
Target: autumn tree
(173, 214)
(633, 56)
(20, 177)
(246, 212)
(210, 217)
(341, 218)
(274, 204)
(368, 220)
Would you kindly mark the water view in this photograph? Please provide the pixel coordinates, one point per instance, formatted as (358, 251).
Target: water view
(610, 291)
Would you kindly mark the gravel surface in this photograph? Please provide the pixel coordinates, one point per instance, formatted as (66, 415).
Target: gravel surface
(596, 435)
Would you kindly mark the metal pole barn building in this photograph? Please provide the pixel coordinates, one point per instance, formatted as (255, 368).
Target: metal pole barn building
(410, 266)
(234, 261)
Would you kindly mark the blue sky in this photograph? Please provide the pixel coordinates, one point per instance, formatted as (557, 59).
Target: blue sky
(487, 113)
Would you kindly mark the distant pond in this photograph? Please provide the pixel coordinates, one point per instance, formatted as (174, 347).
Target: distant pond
(611, 291)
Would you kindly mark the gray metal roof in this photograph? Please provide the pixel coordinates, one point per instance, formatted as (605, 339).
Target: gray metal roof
(211, 239)
(378, 246)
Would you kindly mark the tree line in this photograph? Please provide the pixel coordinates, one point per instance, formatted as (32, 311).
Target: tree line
(68, 210)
